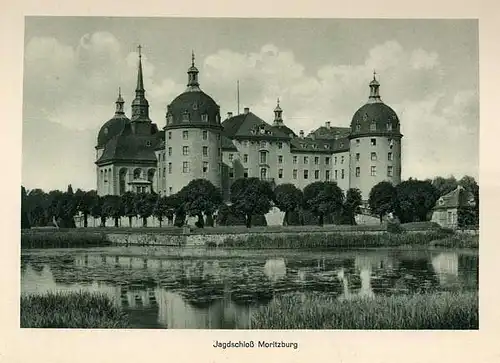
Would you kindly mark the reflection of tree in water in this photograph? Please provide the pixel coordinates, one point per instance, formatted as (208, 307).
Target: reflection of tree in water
(468, 270)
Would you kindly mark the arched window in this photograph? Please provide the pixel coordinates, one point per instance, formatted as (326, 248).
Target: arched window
(358, 127)
(137, 173)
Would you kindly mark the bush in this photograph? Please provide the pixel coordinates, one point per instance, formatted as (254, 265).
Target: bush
(393, 226)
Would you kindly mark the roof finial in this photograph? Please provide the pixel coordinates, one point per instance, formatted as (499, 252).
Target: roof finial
(119, 92)
(192, 58)
(278, 101)
(139, 47)
(374, 74)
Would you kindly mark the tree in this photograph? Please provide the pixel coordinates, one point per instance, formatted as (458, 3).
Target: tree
(198, 197)
(382, 199)
(415, 199)
(128, 203)
(144, 205)
(112, 207)
(444, 185)
(353, 201)
(288, 198)
(322, 198)
(161, 208)
(97, 212)
(470, 185)
(25, 223)
(85, 202)
(37, 207)
(251, 196)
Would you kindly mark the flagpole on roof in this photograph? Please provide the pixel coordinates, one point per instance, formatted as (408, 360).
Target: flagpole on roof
(238, 95)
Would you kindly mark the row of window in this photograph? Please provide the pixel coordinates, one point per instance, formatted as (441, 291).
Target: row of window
(185, 151)
(317, 174)
(373, 171)
(263, 159)
(186, 117)
(185, 168)
(185, 135)
(373, 126)
(373, 156)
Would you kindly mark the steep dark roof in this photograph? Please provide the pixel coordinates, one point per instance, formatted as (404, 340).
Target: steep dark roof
(111, 128)
(190, 106)
(454, 199)
(378, 113)
(250, 125)
(286, 130)
(227, 144)
(310, 145)
(329, 133)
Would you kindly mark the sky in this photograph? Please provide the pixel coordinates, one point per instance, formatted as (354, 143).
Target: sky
(318, 68)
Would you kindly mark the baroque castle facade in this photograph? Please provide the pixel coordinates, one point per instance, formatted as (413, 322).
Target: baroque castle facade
(134, 155)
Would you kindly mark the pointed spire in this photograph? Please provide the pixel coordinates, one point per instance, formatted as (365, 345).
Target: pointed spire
(119, 103)
(374, 90)
(140, 105)
(140, 81)
(193, 84)
(278, 119)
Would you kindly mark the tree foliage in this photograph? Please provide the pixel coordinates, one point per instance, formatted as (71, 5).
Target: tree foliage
(161, 209)
(415, 199)
(322, 198)
(288, 198)
(251, 196)
(200, 197)
(382, 199)
(144, 205)
(352, 203)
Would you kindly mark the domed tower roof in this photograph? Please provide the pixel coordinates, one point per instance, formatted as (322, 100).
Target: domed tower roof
(115, 125)
(375, 118)
(193, 107)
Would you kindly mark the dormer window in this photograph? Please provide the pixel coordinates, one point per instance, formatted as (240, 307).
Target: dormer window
(148, 143)
(327, 146)
(204, 117)
(389, 126)
(170, 119)
(358, 127)
(185, 116)
(373, 126)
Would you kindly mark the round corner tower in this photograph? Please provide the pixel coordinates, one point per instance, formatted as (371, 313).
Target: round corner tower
(375, 144)
(192, 137)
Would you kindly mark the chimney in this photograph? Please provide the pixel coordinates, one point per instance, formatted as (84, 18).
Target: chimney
(301, 134)
(246, 110)
(327, 124)
(229, 114)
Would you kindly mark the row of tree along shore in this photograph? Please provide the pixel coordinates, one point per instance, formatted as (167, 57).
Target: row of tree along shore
(250, 199)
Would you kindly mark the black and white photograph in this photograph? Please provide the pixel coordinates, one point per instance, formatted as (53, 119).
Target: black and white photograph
(250, 174)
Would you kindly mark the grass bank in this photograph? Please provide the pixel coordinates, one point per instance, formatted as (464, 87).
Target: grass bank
(71, 310)
(62, 238)
(427, 311)
(362, 240)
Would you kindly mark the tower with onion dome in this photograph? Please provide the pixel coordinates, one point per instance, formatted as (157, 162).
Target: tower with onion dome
(192, 137)
(375, 144)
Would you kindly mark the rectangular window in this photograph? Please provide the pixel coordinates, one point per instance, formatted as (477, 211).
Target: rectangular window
(170, 135)
(295, 160)
(185, 150)
(316, 160)
(327, 175)
(231, 172)
(164, 172)
(185, 116)
(389, 126)
(357, 142)
(245, 173)
(280, 173)
(170, 190)
(306, 174)
(373, 142)
(358, 171)
(230, 157)
(374, 156)
(335, 160)
(185, 135)
(342, 160)
(357, 156)
(373, 170)
(389, 156)
(327, 161)
(205, 150)
(245, 158)
(336, 175)
(263, 157)
(306, 160)
(342, 174)
(280, 159)
(205, 167)
(294, 173)
(170, 151)
(316, 174)
(280, 145)
(185, 167)
(389, 170)
(170, 168)
(218, 137)
(204, 117)
(205, 135)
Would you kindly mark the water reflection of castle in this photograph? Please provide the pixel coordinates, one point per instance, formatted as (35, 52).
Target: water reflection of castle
(177, 293)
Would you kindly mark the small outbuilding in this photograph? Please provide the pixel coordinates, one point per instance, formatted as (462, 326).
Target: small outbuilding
(450, 208)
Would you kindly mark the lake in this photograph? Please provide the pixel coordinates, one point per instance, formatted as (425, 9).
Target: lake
(198, 288)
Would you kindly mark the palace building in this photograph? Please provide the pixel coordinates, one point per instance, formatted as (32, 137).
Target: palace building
(134, 155)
